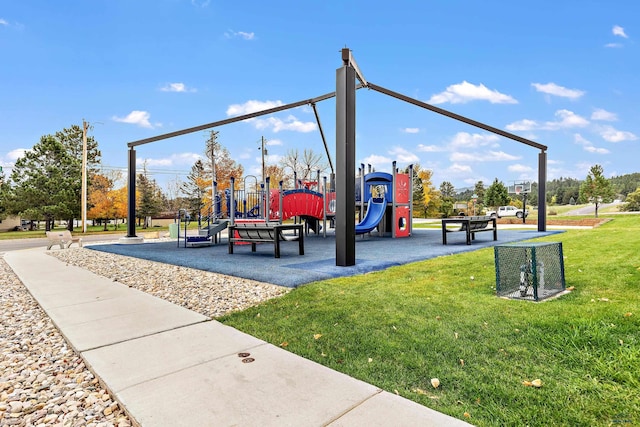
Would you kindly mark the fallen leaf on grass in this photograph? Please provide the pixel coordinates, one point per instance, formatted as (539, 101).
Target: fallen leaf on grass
(455, 334)
(317, 336)
(419, 391)
(461, 362)
(284, 344)
(435, 382)
(466, 415)
(438, 318)
(603, 299)
(370, 360)
(570, 288)
(537, 383)
(628, 314)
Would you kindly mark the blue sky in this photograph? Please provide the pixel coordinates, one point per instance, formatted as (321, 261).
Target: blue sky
(562, 73)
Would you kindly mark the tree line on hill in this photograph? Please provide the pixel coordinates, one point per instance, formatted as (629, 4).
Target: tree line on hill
(45, 185)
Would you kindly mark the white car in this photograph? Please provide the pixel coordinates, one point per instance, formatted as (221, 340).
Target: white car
(508, 211)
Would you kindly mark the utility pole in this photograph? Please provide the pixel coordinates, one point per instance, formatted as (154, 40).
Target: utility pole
(212, 141)
(83, 202)
(264, 181)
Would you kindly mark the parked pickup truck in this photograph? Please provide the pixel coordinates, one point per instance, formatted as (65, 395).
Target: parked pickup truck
(507, 211)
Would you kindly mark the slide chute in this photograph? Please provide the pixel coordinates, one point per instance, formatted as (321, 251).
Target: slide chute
(375, 211)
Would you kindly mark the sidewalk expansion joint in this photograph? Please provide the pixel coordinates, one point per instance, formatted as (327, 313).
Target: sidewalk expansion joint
(142, 336)
(346, 411)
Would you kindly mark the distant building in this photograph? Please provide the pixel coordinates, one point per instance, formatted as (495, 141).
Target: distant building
(10, 223)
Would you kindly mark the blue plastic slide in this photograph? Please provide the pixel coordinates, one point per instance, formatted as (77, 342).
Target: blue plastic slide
(375, 212)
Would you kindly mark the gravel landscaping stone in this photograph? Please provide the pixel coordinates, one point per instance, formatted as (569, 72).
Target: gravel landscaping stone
(44, 383)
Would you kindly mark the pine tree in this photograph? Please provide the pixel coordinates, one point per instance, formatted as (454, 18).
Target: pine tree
(46, 180)
(149, 200)
(596, 188)
(496, 195)
(195, 188)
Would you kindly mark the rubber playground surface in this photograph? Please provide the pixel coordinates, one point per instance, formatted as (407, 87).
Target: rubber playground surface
(373, 253)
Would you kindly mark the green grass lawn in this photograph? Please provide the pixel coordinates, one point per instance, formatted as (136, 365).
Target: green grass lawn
(440, 318)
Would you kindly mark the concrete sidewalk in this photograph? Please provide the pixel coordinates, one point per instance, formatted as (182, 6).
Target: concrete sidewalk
(169, 366)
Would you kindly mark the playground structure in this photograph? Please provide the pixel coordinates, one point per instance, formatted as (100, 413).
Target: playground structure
(385, 204)
(389, 202)
(345, 95)
(205, 236)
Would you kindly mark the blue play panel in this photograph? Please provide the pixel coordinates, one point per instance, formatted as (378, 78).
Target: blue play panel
(373, 253)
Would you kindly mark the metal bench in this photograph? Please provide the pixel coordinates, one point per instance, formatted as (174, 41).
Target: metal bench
(62, 238)
(264, 232)
(470, 225)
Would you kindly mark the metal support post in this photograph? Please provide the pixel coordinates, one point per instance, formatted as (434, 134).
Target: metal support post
(345, 165)
(542, 191)
(131, 195)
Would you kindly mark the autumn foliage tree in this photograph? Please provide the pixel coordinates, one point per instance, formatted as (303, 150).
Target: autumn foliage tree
(106, 203)
(100, 202)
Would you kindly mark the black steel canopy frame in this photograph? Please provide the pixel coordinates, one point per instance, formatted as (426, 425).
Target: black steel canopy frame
(345, 151)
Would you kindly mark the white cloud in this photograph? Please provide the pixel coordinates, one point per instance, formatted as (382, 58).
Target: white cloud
(592, 149)
(230, 34)
(274, 142)
(290, 123)
(568, 119)
(489, 156)
(380, 163)
(403, 156)
(9, 160)
(556, 90)
(430, 148)
(176, 87)
(274, 123)
(604, 115)
(268, 159)
(178, 159)
(458, 169)
(3, 22)
(613, 45)
(15, 154)
(411, 130)
(588, 145)
(251, 107)
(523, 125)
(464, 139)
(609, 133)
(464, 92)
(519, 168)
(140, 118)
(619, 31)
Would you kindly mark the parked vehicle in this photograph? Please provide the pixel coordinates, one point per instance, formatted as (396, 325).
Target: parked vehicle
(508, 211)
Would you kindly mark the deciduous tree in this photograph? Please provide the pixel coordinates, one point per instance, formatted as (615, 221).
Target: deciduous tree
(632, 202)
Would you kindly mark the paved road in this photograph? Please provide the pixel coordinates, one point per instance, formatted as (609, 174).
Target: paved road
(591, 209)
(17, 244)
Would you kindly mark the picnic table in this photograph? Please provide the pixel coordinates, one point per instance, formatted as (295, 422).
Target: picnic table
(470, 225)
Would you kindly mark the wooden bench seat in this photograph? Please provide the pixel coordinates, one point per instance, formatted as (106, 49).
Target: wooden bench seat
(62, 238)
(470, 225)
(264, 232)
